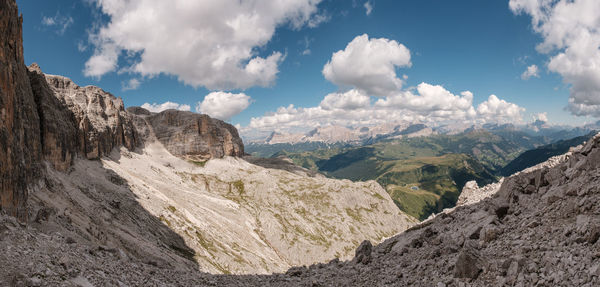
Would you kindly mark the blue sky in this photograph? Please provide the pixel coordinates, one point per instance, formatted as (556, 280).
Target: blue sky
(479, 46)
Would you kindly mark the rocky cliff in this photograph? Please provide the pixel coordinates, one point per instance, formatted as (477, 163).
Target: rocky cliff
(20, 143)
(189, 135)
(50, 118)
(99, 117)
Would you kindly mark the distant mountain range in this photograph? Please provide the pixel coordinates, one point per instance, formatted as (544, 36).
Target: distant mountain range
(371, 134)
(339, 134)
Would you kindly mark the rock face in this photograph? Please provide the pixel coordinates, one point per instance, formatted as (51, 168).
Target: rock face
(58, 130)
(188, 135)
(472, 193)
(20, 143)
(99, 117)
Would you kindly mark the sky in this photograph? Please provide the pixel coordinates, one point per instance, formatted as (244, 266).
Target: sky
(291, 65)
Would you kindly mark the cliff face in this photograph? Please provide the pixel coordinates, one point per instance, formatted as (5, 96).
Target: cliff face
(58, 131)
(99, 117)
(188, 135)
(20, 143)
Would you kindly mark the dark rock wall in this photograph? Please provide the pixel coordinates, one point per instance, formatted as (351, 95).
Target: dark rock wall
(58, 131)
(20, 143)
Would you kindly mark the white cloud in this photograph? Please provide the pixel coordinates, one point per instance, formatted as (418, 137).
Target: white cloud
(368, 65)
(431, 104)
(368, 7)
(203, 43)
(103, 61)
(223, 105)
(430, 98)
(543, 117)
(532, 71)
(58, 21)
(350, 100)
(157, 108)
(497, 110)
(132, 84)
(570, 30)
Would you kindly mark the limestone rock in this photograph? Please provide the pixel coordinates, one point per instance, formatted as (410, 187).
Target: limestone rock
(189, 135)
(100, 117)
(472, 193)
(363, 252)
(468, 263)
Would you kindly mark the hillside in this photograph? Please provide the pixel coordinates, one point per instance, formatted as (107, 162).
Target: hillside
(540, 154)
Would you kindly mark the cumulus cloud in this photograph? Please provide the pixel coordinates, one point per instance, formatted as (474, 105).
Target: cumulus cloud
(532, 71)
(157, 108)
(368, 65)
(132, 84)
(223, 105)
(430, 98)
(350, 100)
(497, 110)
(203, 43)
(368, 8)
(570, 30)
(58, 21)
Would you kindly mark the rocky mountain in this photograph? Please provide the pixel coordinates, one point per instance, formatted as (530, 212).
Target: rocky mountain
(170, 189)
(188, 135)
(423, 174)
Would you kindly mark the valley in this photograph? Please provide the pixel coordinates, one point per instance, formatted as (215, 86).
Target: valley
(422, 174)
